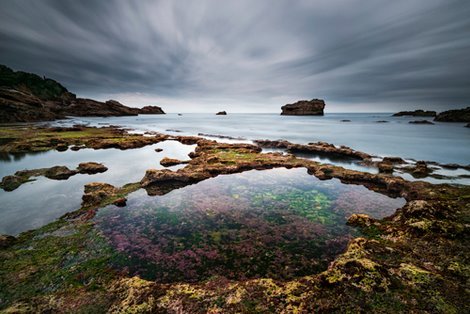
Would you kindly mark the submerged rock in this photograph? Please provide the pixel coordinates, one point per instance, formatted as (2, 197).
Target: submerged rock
(91, 167)
(421, 122)
(221, 113)
(458, 115)
(304, 107)
(416, 113)
(158, 150)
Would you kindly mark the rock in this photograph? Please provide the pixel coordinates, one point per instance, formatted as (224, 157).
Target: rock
(421, 122)
(304, 107)
(6, 240)
(416, 113)
(10, 183)
(381, 121)
(158, 176)
(459, 115)
(91, 167)
(167, 162)
(151, 110)
(27, 97)
(385, 167)
(393, 160)
(62, 147)
(345, 120)
(421, 170)
(120, 202)
(96, 192)
(158, 150)
(221, 113)
(468, 125)
(360, 220)
(59, 173)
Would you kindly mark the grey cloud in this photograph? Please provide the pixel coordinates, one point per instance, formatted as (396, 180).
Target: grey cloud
(377, 55)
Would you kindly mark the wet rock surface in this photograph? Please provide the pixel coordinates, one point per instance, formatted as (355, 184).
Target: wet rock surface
(304, 107)
(167, 162)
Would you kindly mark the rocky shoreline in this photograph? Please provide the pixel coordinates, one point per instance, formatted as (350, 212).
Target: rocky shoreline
(415, 260)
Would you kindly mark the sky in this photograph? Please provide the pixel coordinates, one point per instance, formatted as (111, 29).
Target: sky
(245, 55)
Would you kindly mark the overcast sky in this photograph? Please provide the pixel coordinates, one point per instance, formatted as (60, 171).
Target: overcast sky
(245, 56)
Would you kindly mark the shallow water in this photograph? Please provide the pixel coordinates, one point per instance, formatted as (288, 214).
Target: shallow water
(442, 142)
(275, 223)
(36, 203)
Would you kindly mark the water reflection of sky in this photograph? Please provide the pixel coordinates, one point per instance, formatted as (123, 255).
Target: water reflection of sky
(36, 203)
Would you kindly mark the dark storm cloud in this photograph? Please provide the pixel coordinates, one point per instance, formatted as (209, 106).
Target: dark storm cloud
(255, 55)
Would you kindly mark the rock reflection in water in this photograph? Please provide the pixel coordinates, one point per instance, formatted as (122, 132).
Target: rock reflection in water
(276, 223)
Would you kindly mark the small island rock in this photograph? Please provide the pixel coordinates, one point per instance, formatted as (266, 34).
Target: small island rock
(221, 113)
(304, 108)
(416, 113)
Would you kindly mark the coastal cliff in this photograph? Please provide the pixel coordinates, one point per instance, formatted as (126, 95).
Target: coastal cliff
(312, 107)
(26, 97)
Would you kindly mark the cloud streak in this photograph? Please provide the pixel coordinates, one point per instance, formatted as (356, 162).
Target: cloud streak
(252, 55)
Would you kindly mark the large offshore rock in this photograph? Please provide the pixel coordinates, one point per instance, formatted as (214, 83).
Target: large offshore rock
(312, 107)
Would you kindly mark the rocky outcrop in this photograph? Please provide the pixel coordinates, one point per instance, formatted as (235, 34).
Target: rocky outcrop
(26, 97)
(416, 113)
(421, 122)
(318, 148)
(458, 115)
(59, 173)
(151, 110)
(96, 192)
(221, 113)
(304, 108)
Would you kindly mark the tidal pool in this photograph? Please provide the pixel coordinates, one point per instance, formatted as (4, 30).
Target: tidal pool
(275, 223)
(39, 202)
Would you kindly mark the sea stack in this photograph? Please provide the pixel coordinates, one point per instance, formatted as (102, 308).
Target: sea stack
(312, 107)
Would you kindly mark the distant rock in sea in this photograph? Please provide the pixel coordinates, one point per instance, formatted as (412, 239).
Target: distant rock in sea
(468, 125)
(221, 113)
(346, 120)
(458, 115)
(381, 121)
(416, 113)
(421, 122)
(312, 107)
(151, 110)
(27, 97)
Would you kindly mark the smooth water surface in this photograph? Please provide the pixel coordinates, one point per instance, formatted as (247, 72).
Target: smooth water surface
(275, 223)
(442, 142)
(36, 203)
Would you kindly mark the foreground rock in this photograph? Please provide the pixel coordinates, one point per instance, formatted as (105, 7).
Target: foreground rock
(459, 115)
(221, 113)
(416, 113)
(413, 261)
(304, 108)
(151, 110)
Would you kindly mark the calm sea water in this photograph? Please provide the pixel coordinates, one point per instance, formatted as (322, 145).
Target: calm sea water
(442, 142)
